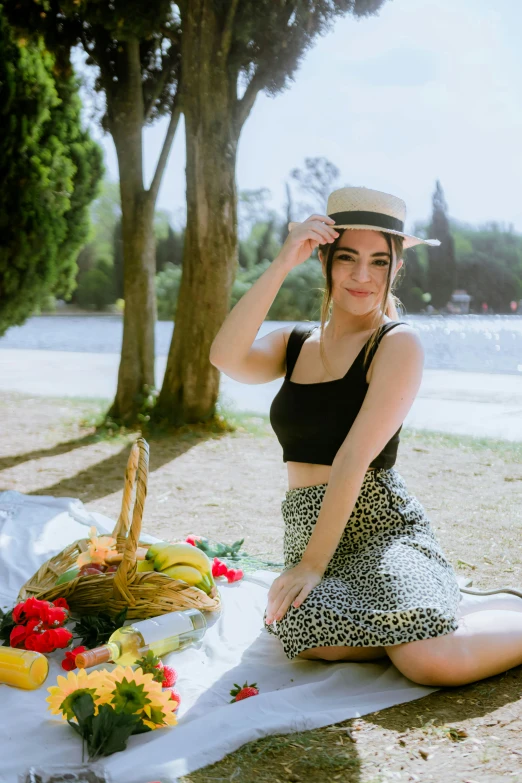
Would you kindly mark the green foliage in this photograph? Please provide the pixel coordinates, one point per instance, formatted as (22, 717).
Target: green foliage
(149, 665)
(49, 168)
(117, 259)
(96, 286)
(489, 265)
(442, 269)
(6, 625)
(298, 298)
(169, 249)
(261, 244)
(102, 29)
(232, 556)
(412, 280)
(96, 629)
(270, 38)
(167, 289)
(104, 733)
(105, 213)
(301, 294)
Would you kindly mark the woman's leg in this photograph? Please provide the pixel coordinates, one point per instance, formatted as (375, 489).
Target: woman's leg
(339, 653)
(486, 643)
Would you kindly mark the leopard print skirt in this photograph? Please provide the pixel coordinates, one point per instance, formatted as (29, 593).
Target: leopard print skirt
(388, 581)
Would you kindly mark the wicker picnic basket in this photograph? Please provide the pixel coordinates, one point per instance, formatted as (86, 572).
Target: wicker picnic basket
(145, 594)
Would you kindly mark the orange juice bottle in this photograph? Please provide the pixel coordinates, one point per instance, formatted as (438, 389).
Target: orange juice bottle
(22, 668)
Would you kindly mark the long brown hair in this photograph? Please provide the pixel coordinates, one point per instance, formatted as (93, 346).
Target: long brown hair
(389, 301)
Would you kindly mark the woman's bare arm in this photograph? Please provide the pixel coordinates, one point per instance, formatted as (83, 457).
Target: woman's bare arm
(233, 350)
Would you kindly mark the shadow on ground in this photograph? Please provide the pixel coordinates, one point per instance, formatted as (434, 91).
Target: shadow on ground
(106, 476)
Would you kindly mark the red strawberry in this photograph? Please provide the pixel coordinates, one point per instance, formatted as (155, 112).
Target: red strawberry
(174, 695)
(244, 692)
(192, 539)
(170, 676)
(219, 568)
(234, 574)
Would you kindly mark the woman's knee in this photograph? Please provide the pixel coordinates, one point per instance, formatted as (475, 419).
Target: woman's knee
(341, 653)
(427, 662)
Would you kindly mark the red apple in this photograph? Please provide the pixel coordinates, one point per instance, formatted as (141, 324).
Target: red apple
(91, 568)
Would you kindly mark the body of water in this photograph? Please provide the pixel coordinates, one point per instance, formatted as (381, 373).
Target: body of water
(471, 343)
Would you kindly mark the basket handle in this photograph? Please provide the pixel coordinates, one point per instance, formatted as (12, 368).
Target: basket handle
(121, 527)
(139, 469)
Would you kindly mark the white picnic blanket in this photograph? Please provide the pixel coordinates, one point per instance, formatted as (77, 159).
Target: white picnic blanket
(293, 695)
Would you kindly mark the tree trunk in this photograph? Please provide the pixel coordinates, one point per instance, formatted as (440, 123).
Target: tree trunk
(137, 355)
(191, 384)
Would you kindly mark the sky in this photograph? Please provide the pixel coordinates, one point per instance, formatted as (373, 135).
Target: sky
(423, 91)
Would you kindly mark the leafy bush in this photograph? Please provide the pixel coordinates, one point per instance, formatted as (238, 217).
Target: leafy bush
(96, 286)
(49, 169)
(167, 290)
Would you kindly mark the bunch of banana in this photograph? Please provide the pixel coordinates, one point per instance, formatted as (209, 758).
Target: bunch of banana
(182, 561)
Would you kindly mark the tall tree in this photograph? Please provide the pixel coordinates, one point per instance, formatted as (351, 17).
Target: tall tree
(49, 168)
(442, 264)
(231, 50)
(135, 47)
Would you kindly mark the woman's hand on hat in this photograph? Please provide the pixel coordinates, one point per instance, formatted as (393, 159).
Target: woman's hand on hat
(303, 238)
(290, 588)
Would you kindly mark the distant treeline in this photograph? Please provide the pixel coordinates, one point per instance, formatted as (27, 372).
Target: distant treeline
(485, 261)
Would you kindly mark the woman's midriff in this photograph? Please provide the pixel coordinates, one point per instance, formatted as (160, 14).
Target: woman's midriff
(306, 474)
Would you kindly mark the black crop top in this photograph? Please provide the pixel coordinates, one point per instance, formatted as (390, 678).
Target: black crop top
(311, 420)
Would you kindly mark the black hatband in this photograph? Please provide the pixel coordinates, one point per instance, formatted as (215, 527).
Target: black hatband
(360, 218)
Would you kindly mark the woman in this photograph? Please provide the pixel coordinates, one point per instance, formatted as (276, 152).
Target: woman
(365, 576)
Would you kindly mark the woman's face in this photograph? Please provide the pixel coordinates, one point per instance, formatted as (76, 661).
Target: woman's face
(359, 270)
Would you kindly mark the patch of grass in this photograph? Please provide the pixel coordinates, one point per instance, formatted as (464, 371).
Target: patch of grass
(505, 449)
(254, 423)
(313, 756)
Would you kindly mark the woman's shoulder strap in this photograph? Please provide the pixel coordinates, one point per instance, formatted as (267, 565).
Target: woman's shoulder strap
(382, 330)
(385, 328)
(296, 339)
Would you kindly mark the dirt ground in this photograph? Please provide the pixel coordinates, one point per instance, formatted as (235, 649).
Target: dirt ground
(217, 484)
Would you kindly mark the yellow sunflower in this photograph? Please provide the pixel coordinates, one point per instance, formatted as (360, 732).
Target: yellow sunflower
(133, 692)
(161, 714)
(63, 694)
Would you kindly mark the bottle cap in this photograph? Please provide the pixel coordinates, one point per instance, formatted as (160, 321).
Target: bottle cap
(90, 658)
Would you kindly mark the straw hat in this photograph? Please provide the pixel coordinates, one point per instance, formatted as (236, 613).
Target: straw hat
(366, 208)
(372, 209)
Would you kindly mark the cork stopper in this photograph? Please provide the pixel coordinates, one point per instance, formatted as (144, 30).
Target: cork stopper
(90, 658)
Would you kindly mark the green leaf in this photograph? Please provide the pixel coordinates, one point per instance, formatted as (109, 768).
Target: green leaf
(68, 704)
(148, 664)
(226, 552)
(129, 697)
(6, 626)
(141, 728)
(96, 629)
(83, 708)
(110, 732)
(75, 727)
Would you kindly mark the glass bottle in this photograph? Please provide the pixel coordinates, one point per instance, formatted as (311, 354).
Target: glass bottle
(167, 633)
(26, 669)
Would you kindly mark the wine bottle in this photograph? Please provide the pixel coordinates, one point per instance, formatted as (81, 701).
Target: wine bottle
(167, 633)
(25, 669)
